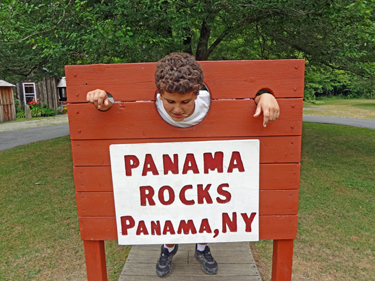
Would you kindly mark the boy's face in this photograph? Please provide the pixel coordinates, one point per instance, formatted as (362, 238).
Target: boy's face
(178, 106)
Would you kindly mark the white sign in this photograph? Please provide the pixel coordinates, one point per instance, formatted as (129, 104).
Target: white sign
(186, 192)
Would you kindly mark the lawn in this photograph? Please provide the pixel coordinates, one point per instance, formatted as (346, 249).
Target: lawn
(40, 232)
(335, 239)
(346, 108)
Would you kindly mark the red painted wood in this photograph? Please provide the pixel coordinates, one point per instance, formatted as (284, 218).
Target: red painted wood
(225, 79)
(141, 120)
(95, 260)
(138, 122)
(272, 149)
(272, 202)
(278, 202)
(282, 260)
(270, 227)
(272, 176)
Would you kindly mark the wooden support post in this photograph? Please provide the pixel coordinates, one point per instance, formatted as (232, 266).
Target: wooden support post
(282, 260)
(95, 260)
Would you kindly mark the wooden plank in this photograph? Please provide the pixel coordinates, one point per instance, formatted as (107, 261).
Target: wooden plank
(95, 260)
(189, 278)
(225, 118)
(187, 256)
(226, 270)
(145, 256)
(224, 79)
(282, 260)
(225, 247)
(271, 176)
(270, 227)
(271, 202)
(272, 149)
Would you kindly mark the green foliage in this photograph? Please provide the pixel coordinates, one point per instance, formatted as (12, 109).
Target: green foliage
(39, 37)
(43, 110)
(18, 105)
(326, 82)
(20, 114)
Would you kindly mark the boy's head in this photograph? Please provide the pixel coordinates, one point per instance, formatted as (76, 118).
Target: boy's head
(178, 73)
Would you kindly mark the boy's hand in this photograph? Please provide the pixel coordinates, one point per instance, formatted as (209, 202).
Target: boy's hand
(267, 104)
(99, 99)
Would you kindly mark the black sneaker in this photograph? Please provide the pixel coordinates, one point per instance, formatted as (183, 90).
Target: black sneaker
(208, 263)
(164, 264)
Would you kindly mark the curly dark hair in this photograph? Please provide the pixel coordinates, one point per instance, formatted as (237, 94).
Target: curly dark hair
(178, 73)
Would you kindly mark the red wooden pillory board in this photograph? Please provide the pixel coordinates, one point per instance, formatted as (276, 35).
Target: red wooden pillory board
(233, 86)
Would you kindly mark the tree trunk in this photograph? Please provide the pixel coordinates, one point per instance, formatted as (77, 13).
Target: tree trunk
(202, 48)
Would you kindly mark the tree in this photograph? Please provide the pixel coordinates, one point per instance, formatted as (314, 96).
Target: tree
(34, 34)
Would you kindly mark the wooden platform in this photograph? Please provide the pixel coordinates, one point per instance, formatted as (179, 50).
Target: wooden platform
(235, 262)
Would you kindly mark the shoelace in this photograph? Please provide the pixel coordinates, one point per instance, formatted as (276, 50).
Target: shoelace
(207, 255)
(164, 256)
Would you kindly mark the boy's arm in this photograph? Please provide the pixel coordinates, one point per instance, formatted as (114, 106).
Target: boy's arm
(99, 99)
(267, 104)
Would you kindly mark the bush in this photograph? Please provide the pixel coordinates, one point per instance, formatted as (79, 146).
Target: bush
(20, 114)
(35, 111)
(38, 110)
(48, 111)
(18, 105)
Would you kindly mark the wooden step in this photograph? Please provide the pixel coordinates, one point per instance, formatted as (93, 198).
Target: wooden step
(235, 263)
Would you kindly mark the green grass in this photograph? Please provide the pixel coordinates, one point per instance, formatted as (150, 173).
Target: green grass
(40, 232)
(369, 106)
(39, 224)
(336, 224)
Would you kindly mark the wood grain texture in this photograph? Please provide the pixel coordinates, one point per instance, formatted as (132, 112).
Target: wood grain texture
(133, 120)
(224, 79)
(234, 259)
(270, 227)
(272, 149)
(271, 177)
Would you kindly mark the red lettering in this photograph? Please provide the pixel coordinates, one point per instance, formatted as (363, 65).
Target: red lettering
(248, 220)
(126, 223)
(190, 164)
(212, 163)
(169, 165)
(205, 226)
(235, 162)
(142, 228)
(186, 227)
(224, 193)
(204, 194)
(131, 162)
(231, 223)
(183, 197)
(149, 166)
(146, 193)
(170, 195)
(168, 227)
(155, 228)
